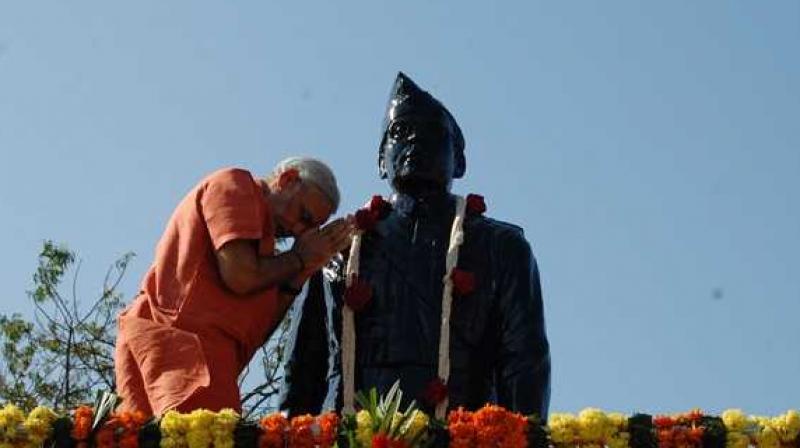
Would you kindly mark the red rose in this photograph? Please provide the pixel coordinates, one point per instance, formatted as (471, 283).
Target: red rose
(358, 295)
(380, 207)
(376, 210)
(435, 392)
(475, 204)
(380, 440)
(463, 282)
(366, 219)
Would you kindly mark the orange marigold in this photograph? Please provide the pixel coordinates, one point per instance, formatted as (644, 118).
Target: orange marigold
(273, 431)
(663, 421)
(82, 424)
(328, 424)
(696, 435)
(461, 428)
(105, 437)
(498, 427)
(130, 422)
(300, 433)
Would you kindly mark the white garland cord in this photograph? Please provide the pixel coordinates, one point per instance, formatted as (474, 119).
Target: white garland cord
(349, 330)
(456, 238)
(348, 324)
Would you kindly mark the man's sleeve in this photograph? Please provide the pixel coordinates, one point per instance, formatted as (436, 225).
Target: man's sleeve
(230, 208)
(523, 369)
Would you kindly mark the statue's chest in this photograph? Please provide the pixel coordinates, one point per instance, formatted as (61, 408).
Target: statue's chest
(406, 266)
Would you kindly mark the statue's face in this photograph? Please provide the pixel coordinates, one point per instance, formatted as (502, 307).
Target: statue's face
(419, 155)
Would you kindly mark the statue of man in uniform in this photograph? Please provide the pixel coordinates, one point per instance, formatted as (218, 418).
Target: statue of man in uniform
(498, 347)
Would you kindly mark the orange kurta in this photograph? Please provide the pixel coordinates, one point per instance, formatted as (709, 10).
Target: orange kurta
(185, 339)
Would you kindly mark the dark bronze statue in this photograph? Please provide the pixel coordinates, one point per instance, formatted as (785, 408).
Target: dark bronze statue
(498, 350)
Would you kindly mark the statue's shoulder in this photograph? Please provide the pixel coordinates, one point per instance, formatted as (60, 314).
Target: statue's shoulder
(496, 229)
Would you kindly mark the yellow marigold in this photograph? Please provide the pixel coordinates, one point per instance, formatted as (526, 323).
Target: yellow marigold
(737, 440)
(39, 425)
(223, 428)
(11, 418)
(768, 437)
(594, 426)
(563, 428)
(786, 426)
(173, 430)
(734, 420)
(619, 420)
(416, 424)
(198, 435)
(792, 422)
(364, 428)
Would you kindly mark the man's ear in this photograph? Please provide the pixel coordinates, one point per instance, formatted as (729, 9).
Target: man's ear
(460, 165)
(288, 178)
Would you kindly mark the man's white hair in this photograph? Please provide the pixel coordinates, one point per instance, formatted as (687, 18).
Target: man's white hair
(314, 172)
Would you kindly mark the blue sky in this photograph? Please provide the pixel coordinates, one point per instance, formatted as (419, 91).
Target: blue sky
(651, 151)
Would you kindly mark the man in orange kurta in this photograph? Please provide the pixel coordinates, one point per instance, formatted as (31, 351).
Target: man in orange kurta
(217, 289)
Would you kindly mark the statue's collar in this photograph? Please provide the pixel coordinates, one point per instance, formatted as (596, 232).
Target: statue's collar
(433, 206)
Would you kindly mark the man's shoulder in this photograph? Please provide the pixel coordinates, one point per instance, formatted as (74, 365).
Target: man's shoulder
(226, 174)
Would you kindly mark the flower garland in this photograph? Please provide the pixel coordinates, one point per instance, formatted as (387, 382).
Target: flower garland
(490, 426)
(456, 282)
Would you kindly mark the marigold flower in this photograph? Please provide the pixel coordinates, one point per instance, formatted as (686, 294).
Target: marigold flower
(461, 429)
(300, 433)
(82, 424)
(364, 428)
(328, 424)
(273, 431)
(105, 437)
(663, 421)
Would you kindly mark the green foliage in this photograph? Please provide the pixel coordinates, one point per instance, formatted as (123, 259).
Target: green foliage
(66, 354)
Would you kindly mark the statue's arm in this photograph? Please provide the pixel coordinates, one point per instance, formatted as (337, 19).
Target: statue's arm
(523, 365)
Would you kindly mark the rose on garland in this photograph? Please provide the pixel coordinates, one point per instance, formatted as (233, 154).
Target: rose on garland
(464, 282)
(476, 205)
(358, 295)
(435, 392)
(377, 209)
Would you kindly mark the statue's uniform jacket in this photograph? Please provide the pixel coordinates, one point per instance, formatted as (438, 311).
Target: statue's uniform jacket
(499, 349)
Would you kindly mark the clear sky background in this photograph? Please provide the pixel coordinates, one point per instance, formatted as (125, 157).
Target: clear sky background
(651, 151)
